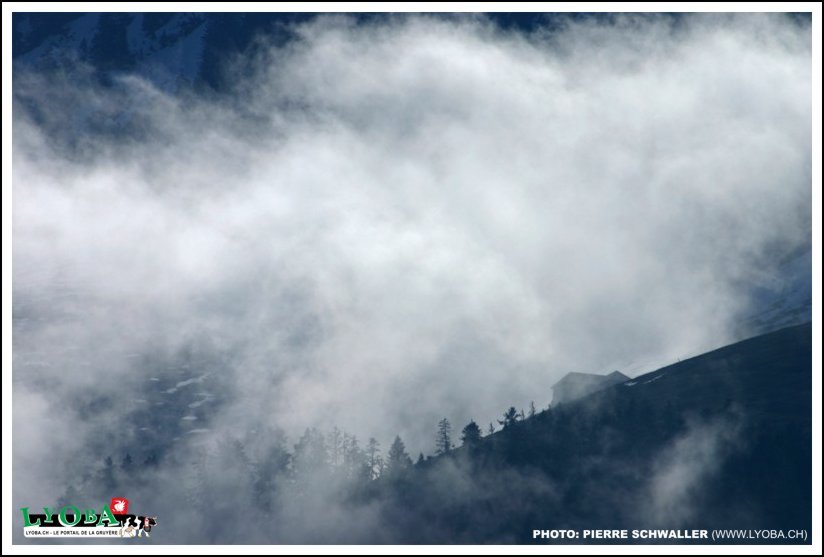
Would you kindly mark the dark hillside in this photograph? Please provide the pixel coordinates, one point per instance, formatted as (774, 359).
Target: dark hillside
(722, 440)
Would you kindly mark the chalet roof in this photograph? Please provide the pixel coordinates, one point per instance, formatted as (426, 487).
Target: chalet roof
(618, 376)
(577, 378)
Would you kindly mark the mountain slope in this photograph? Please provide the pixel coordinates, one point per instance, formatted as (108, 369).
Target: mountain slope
(722, 440)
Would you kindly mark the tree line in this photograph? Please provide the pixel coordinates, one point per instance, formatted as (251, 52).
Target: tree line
(334, 453)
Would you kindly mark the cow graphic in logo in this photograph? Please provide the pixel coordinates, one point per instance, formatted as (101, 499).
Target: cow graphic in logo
(146, 526)
(128, 530)
(137, 526)
(120, 505)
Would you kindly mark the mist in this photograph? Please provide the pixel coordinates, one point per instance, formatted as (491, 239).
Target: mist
(388, 223)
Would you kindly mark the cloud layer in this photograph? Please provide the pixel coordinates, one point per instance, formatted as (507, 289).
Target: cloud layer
(389, 223)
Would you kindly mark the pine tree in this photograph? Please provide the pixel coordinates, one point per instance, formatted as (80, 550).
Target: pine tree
(272, 466)
(310, 453)
(532, 409)
(443, 441)
(397, 461)
(510, 417)
(373, 458)
(355, 463)
(471, 434)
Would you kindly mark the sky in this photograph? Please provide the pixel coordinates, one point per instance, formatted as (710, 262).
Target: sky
(385, 224)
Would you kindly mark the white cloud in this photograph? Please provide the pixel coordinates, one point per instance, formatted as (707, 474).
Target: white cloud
(392, 223)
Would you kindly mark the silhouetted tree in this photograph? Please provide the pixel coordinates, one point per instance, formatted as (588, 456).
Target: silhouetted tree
(273, 465)
(397, 460)
(491, 429)
(443, 441)
(532, 409)
(471, 434)
(510, 417)
(420, 459)
(373, 458)
(355, 463)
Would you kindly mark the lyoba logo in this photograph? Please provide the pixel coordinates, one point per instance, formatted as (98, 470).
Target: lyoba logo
(113, 520)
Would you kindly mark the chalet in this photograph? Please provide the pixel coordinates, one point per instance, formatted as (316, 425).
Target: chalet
(576, 385)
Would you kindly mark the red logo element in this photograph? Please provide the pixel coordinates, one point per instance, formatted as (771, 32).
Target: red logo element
(120, 505)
